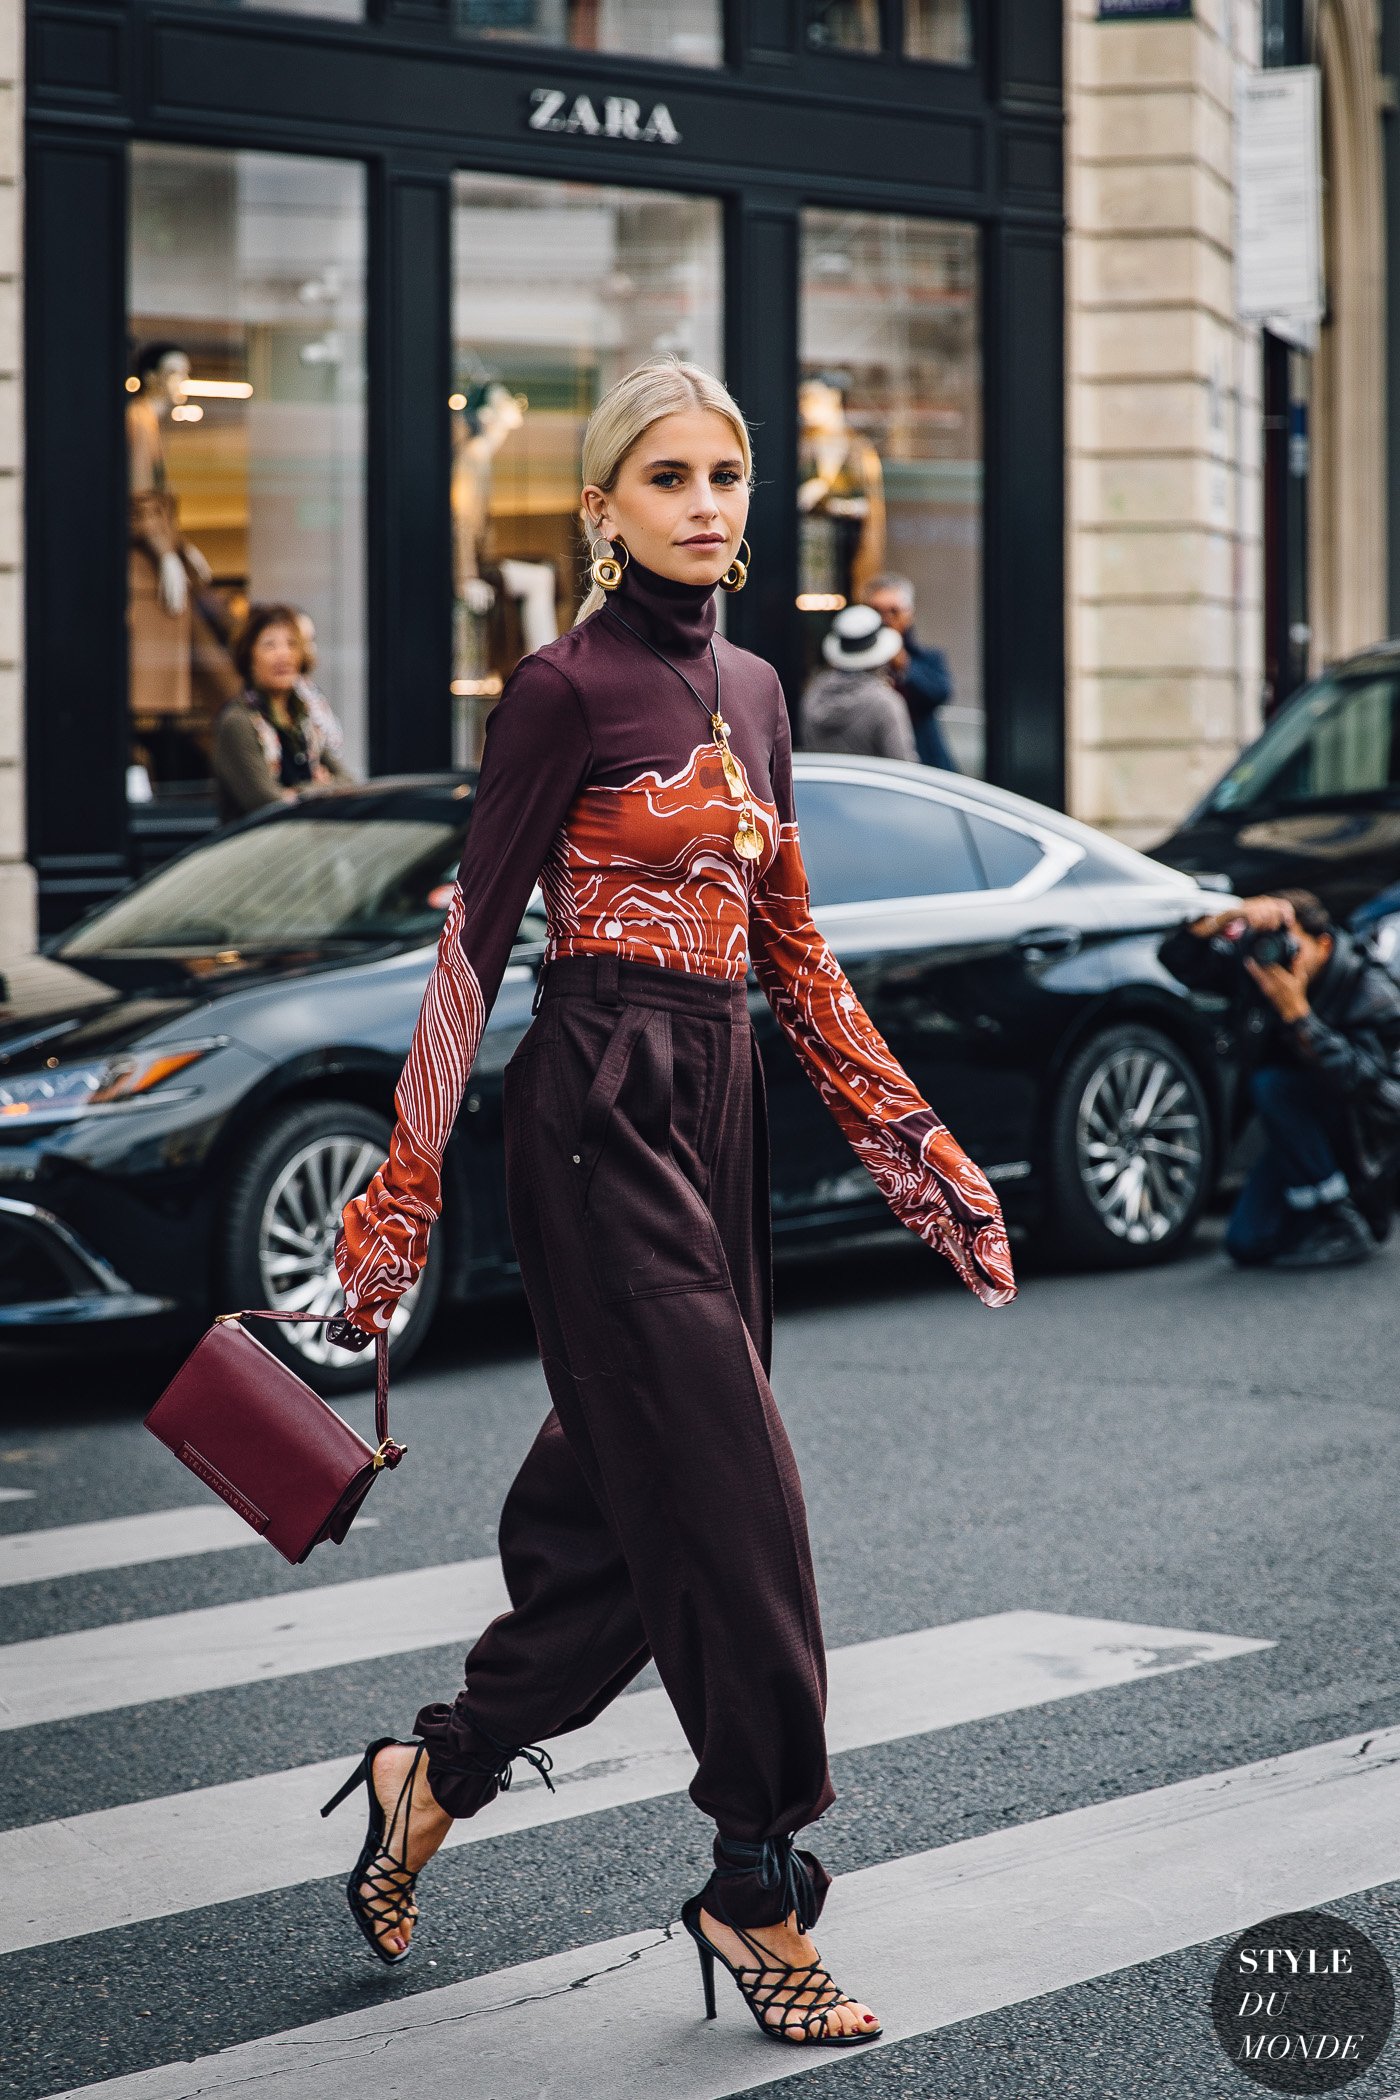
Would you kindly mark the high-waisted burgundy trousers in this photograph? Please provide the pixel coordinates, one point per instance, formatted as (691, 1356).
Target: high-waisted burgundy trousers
(659, 1512)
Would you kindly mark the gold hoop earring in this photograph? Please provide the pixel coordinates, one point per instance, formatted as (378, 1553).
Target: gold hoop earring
(737, 574)
(605, 569)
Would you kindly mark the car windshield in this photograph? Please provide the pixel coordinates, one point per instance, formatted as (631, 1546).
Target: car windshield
(295, 882)
(1340, 738)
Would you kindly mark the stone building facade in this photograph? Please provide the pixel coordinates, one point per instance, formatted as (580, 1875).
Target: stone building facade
(1165, 491)
(1163, 483)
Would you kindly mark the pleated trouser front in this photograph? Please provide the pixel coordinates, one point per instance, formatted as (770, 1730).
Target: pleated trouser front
(658, 1513)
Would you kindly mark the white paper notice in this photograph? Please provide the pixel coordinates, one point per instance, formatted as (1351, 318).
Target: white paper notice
(1278, 224)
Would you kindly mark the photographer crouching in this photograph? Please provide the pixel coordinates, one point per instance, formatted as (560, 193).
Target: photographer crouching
(1322, 1041)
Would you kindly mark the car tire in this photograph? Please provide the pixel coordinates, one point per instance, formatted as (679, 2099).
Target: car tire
(1131, 1151)
(305, 1164)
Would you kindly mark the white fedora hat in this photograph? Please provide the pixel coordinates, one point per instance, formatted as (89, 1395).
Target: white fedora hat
(859, 640)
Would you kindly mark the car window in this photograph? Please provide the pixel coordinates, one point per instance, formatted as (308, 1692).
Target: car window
(1341, 737)
(860, 843)
(1007, 856)
(281, 884)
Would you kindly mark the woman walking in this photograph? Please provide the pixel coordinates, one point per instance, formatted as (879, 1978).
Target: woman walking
(640, 768)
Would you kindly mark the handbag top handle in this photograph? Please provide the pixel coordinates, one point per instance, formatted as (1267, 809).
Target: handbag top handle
(389, 1453)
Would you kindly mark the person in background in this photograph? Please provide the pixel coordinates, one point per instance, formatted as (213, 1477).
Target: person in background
(317, 705)
(1321, 1032)
(921, 675)
(851, 706)
(271, 742)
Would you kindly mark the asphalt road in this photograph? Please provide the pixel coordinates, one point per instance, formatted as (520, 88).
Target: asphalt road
(1186, 1448)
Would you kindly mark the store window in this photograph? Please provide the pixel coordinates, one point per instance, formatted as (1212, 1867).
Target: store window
(939, 30)
(933, 29)
(559, 288)
(246, 442)
(328, 10)
(688, 35)
(890, 441)
(844, 25)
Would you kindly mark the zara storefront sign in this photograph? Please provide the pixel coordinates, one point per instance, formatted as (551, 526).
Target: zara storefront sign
(604, 117)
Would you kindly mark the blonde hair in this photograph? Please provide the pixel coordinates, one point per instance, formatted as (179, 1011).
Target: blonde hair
(663, 386)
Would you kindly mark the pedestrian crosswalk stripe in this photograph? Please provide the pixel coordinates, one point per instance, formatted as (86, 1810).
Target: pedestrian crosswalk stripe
(932, 1939)
(155, 1858)
(121, 1542)
(16, 1494)
(67, 1674)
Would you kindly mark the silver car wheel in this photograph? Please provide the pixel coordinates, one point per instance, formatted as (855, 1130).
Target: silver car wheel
(1139, 1145)
(296, 1239)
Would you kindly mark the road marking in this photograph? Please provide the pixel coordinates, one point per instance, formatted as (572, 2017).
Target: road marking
(120, 1542)
(935, 1938)
(68, 1674)
(16, 1494)
(152, 1859)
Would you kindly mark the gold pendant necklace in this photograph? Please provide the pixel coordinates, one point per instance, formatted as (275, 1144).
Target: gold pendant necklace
(748, 839)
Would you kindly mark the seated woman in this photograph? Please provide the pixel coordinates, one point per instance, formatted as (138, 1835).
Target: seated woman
(279, 735)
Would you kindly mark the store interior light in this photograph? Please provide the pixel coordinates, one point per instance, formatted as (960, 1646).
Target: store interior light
(187, 412)
(820, 601)
(133, 385)
(220, 389)
(456, 400)
(478, 688)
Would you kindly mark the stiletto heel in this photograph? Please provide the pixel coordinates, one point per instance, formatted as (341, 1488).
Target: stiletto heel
(801, 1994)
(389, 1902)
(707, 1976)
(357, 1778)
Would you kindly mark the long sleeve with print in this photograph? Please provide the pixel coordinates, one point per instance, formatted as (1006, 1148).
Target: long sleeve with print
(536, 756)
(920, 1169)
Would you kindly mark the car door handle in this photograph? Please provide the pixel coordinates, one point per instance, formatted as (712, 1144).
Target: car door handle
(1047, 942)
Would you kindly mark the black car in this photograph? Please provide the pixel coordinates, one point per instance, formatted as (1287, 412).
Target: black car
(1314, 803)
(196, 1078)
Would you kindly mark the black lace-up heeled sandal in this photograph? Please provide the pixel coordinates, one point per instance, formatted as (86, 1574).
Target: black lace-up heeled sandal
(380, 1888)
(791, 2001)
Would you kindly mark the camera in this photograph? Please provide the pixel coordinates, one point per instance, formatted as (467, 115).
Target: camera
(1266, 946)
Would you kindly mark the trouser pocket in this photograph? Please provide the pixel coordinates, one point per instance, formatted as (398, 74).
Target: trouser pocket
(600, 1102)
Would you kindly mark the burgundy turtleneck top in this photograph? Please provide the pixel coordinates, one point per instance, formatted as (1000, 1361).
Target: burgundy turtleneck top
(601, 780)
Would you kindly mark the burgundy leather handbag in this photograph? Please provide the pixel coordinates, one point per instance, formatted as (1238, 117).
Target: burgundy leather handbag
(255, 1433)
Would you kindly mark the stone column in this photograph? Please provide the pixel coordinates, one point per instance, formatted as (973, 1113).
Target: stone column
(17, 919)
(1164, 419)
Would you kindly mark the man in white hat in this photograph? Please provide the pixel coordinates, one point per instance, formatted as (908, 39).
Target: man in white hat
(852, 706)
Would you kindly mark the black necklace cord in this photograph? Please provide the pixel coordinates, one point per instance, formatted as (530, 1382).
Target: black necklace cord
(748, 840)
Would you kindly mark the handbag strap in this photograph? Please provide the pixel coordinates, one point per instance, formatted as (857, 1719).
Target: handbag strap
(389, 1453)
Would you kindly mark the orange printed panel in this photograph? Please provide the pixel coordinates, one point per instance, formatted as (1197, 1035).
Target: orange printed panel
(383, 1239)
(648, 871)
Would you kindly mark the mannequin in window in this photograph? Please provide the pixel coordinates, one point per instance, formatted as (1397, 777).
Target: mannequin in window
(179, 668)
(492, 414)
(840, 494)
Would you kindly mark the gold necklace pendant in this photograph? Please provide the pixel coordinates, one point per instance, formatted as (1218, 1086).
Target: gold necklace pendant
(748, 839)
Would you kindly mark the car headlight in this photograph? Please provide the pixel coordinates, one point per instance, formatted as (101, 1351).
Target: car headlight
(59, 1091)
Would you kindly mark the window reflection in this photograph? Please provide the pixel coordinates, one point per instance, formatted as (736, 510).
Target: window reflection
(245, 434)
(938, 29)
(890, 470)
(686, 35)
(328, 10)
(558, 289)
(844, 25)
